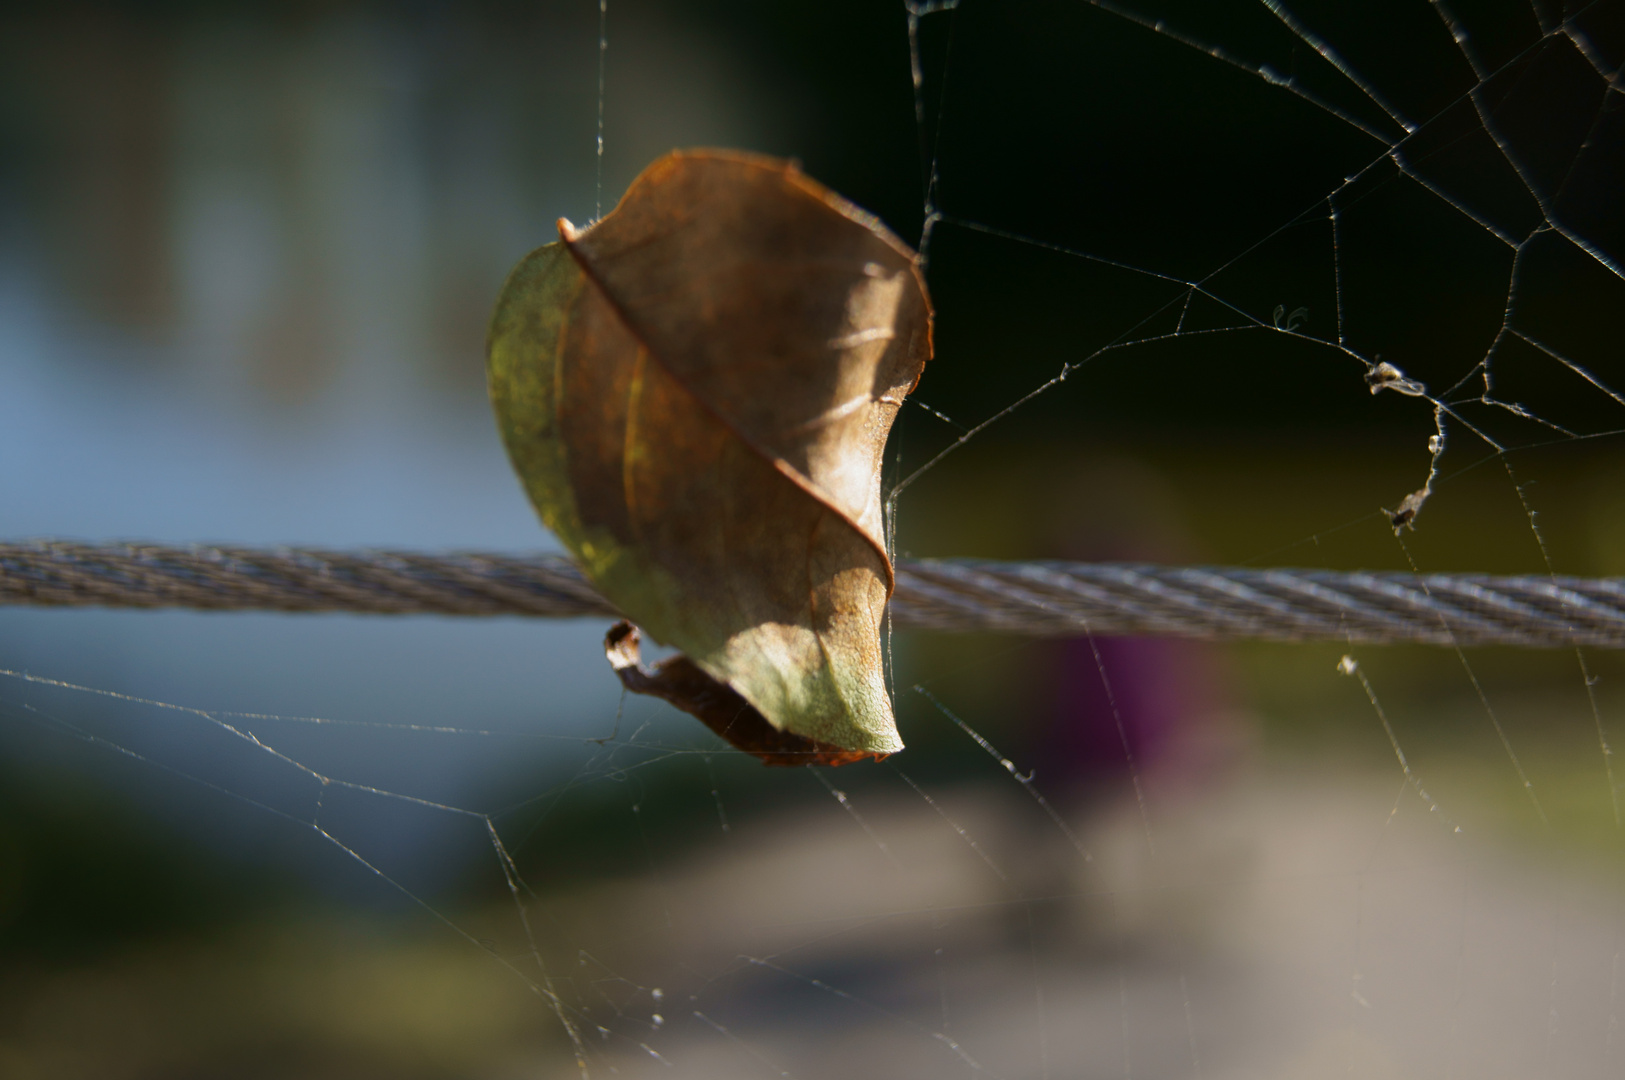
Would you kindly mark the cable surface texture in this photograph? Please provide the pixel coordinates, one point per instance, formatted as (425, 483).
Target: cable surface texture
(1039, 599)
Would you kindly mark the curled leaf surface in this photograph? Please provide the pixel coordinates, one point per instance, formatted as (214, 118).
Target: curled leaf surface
(697, 392)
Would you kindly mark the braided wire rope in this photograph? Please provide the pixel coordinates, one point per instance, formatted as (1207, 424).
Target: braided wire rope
(1038, 599)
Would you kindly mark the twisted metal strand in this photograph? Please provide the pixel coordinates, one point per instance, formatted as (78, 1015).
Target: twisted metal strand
(1039, 599)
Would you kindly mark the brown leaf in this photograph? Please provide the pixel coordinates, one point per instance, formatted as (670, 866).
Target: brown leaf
(697, 392)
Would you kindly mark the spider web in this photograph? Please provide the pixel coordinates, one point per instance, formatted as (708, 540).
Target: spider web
(1393, 235)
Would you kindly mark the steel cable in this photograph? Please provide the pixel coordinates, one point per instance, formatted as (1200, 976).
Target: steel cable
(1039, 599)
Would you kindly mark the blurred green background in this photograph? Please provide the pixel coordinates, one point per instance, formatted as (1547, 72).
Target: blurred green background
(246, 256)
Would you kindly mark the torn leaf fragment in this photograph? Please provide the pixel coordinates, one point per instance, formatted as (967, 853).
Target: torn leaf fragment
(696, 392)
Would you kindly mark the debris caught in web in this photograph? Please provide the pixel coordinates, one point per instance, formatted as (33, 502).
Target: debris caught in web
(1411, 505)
(1385, 376)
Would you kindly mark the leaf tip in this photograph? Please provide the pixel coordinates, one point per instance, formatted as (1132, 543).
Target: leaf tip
(681, 682)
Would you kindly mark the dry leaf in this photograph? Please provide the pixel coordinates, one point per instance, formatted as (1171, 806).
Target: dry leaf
(697, 391)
